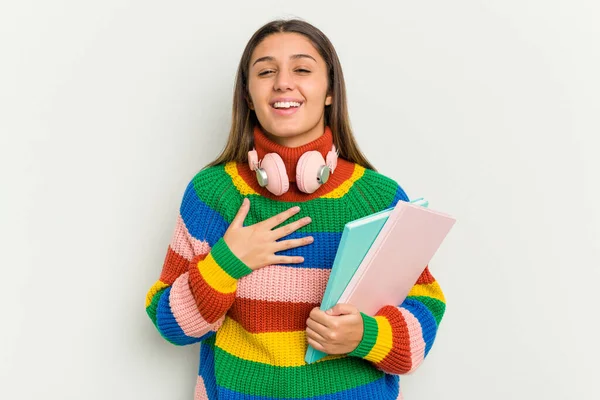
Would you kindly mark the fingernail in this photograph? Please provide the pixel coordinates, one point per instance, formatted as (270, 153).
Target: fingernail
(297, 208)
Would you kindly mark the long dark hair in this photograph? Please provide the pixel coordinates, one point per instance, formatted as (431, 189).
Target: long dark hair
(336, 115)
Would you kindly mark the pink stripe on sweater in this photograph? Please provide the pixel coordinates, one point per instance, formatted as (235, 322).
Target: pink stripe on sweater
(200, 392)
(185, 310)
(185, 244)
(287, 284)
(415, 334)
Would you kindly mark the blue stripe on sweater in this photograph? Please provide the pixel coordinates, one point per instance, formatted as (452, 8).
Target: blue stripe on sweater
(207, 370)
(426, 319)
(399, 196)
(319, 254)
(202, 222)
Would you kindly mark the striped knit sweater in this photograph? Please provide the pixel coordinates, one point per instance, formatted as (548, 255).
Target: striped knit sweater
(251, 325)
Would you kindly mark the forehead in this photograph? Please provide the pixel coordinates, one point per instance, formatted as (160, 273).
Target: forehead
(282, 45)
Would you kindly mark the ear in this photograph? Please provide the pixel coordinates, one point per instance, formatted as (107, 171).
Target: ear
(328, 100)
(249, 102)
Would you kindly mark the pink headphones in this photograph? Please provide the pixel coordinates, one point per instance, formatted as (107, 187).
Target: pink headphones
(311, 172)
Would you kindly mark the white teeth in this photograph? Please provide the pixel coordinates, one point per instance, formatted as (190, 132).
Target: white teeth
(287, 104)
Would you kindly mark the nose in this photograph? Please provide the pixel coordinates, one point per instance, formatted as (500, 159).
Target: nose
(283, 81)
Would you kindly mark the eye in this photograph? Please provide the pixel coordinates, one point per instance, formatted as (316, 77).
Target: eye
(302, 70)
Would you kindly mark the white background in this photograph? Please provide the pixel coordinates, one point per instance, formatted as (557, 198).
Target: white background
(108, 108)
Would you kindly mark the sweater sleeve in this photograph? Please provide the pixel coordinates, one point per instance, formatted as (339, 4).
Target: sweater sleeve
(398, 338)
(197, 285)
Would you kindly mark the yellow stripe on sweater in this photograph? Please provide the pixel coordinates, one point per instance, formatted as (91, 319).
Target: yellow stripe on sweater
(215, 276)
(341, 190)
(384, 342)
(281, 349)
(429, 290)
(238, 181)
(158, 286)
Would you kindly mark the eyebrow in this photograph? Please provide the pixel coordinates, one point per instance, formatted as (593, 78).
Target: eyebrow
(293, 57)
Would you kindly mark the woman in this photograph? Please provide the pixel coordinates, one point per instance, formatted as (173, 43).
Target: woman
(257, 235)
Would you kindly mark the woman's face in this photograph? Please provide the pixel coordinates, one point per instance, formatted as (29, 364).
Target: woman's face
(286, 68)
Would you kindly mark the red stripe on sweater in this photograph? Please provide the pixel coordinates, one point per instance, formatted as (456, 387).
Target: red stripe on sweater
(173, 266)
(426, 277)
(398, 360)
(258, 316)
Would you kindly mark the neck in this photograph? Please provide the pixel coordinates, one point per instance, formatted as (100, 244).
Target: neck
(289, 152)
(296, 140)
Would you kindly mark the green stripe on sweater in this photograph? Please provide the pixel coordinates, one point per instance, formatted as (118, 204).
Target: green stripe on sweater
(327, 214)
(370, 332)
(316, 379)
(435, 306)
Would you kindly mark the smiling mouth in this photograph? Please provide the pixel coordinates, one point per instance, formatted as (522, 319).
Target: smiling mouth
(280, 105)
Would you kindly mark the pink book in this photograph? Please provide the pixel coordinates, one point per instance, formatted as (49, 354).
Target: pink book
(404, 247)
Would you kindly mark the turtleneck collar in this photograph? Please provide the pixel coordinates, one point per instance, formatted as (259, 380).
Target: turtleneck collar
(291, 155)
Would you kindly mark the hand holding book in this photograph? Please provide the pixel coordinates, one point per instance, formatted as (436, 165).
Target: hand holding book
(381, 256)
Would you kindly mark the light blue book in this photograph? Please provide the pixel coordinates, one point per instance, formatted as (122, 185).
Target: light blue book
(357, 238)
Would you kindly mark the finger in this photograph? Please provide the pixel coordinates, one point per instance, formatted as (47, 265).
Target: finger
(315, 344)
(342, 309)
(240, 217)
(319, 316)
(291, 227)
(311, 334)
(279, 260)
(293, 243)
(280, 218)
(316, 327)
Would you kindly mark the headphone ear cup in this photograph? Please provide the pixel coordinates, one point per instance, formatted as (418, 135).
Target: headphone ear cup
(332, 158)
(252, 160)
(307, 171)
(277, 178)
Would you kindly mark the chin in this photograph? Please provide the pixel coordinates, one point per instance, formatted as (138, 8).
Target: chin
(286, 130)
